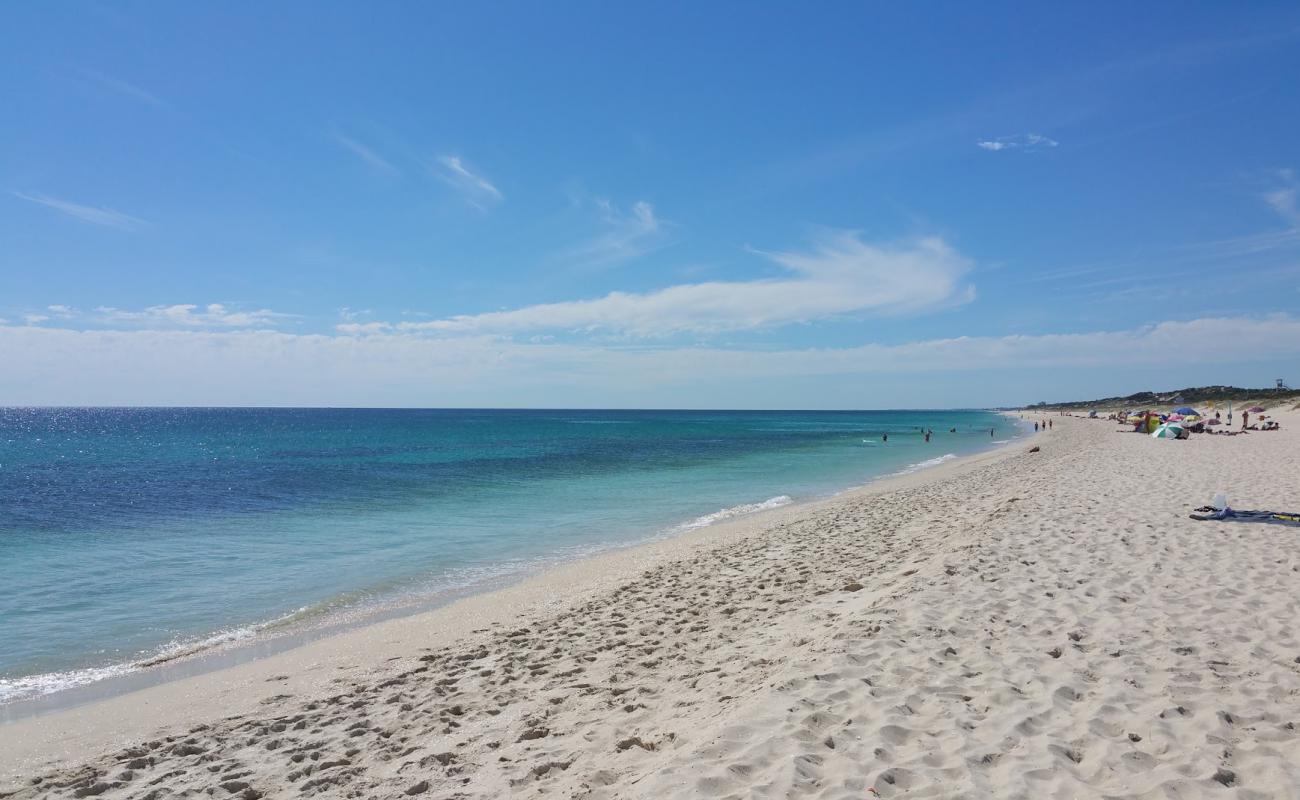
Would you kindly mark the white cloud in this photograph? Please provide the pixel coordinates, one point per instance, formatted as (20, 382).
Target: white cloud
(627, 236)
(56, 365)
(188, 315)
(98, 216)
(477, 190)
(1028, 142)
(35, 319)
(842, 275)
(367, 155)
(61, 311)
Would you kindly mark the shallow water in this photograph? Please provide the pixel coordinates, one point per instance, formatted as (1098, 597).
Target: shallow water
(128, 535)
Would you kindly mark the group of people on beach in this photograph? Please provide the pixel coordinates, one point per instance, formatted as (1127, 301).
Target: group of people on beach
(928, 432)
(1187, 423)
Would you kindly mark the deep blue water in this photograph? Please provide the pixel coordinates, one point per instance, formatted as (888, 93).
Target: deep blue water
(130, 533)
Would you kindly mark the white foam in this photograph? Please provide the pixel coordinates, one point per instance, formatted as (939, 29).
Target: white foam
(27, 686)
(50, 682)
(927, 464)
(735, 511)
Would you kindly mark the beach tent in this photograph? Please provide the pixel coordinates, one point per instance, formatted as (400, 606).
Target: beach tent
(1168, 431)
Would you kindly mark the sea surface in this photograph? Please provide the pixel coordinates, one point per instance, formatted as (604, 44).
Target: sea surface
(129, 536)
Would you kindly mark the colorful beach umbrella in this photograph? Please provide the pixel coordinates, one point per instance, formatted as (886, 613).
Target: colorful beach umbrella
(1256, 409)
(1186, 410)
(1214, 422)
(1167, 431)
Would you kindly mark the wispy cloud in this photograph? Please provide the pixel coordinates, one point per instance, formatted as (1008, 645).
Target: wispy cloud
(628, 235)
(92, 214)
(352, 314)
(1027, 142)
(840, 276)
(123, 88)
(188, 315)
(477, 190)
(1285, 200)
(366, 154)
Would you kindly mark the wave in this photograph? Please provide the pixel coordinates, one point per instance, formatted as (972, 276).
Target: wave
(28, 686)
(927, 464)
(43, 683)
(735, 511)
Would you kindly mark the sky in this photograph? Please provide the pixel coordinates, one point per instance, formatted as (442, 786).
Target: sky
(683, 205)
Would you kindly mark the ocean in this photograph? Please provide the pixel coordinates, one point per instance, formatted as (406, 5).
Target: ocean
(130, 536)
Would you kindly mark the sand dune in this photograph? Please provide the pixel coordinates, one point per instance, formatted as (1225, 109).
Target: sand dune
(1018, 625)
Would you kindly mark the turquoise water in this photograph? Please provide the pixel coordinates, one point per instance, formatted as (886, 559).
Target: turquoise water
(135, 534)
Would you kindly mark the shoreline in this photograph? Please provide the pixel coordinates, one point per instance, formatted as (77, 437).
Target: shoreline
(61, 730)
(1035, 621)
(199, 658)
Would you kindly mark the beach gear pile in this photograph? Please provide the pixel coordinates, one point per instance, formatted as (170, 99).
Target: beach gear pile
(1181, 422)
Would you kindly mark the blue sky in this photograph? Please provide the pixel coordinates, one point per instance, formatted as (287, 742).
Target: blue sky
(685, 205)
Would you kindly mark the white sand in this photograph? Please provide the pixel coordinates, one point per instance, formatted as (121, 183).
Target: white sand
(1018, 625)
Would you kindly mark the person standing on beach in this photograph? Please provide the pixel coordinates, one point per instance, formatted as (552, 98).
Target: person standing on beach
(1245, 416)
(1035, 427)
(1049, 423)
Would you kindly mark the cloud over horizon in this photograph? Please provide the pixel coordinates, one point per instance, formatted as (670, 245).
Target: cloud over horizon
(188, 366)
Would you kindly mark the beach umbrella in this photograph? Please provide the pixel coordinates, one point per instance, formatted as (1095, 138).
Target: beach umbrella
(1167, 431)
(1186, 410)
(1174, 417)
(1256, 409)
(1192, 418)
(1214, 422)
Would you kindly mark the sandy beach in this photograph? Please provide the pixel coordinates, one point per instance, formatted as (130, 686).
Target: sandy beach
(1015, 624)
